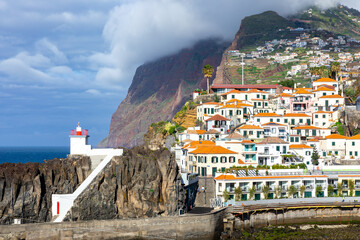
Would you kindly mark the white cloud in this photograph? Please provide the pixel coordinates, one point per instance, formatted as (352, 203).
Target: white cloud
(51, 50)
(143, 30)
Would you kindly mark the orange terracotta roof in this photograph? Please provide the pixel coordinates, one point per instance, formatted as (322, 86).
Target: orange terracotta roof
(349, 175)
(273, 124)
(267, 115)
(212, 131)
(240, 161)
(232, 177)
(239, 105)
(324, 89)
(325, 80)
(256, 91)
(336, 136)
(217, 117)
(329, 112)
(196, 131)
(302, 91)
(212, 150)
(296, 146)
(313, 140)
(232, 91)
(306, 127)
(284, 95)
(249, 127)
(296, 115)
(355, 137)
(194, 144)
(247, 141)
(234, 100)
(272, 140)
(332, 96)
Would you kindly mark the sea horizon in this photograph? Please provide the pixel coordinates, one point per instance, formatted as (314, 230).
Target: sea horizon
(25, 154)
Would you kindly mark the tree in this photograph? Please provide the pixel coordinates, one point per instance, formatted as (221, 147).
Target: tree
(351, 187)
(226, 195)
(208, 71)
(252, 192)
(330, 190)
(265, 190)
(315, 157)
(287, 83)
(278, 191)
(318, 190)
(335, 68)
(340, 189)
(302, 190)
(238, 193)
(291, 191)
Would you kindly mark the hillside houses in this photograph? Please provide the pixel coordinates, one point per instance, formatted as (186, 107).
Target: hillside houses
(258, 127)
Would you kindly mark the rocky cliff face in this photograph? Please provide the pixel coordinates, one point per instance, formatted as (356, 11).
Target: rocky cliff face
(25, 189)
(253, 30)
(141, 183)
(158, 91)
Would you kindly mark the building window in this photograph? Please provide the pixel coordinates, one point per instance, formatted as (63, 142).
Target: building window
(285, 121)
(257, 96)
(278, 120)
(353, 143)
(251, 132)
(324, 154)
(258, 120)
(336, 153)
(316, 116)
(278, 148)
(271, 120)
(291, 139)
(355, 153)
(350, 153)
(232, 96)
(223, 159)
(324, 116)
(301, 120)
(259, 103)
(264, 97)
(297, 139)
(231, 159)
(307, 153)
(333, 144)
(266, 104)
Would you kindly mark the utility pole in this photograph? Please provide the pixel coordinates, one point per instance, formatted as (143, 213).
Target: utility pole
(242, 68)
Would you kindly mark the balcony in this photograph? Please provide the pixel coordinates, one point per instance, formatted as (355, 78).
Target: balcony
(309, 186)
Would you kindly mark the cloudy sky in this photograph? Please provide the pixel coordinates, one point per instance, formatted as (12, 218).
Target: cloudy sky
(67, 61)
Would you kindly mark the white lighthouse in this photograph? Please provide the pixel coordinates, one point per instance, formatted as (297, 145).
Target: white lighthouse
(79, 141)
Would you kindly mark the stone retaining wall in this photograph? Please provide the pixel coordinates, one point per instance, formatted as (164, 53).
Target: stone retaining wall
(205, 226)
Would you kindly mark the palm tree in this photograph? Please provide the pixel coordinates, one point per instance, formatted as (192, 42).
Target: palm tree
(335, 67)
(302, 190)
(291, 191)
(265, 190)
(238, 193)
(208, 71)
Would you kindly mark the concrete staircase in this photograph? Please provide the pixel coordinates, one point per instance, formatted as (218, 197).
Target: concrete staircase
(66, 201)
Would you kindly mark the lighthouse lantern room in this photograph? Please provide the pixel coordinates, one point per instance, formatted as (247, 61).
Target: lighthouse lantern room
(79, 141)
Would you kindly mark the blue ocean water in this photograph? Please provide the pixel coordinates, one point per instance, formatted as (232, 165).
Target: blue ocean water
(31, 154)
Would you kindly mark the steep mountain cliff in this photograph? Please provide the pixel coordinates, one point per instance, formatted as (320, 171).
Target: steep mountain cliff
(141, 183)
(159, 89)
(26, 189)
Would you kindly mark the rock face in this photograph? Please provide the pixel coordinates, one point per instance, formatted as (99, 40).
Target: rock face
(159, 89)
(253, 29)
(25, 189)
(141, 183)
